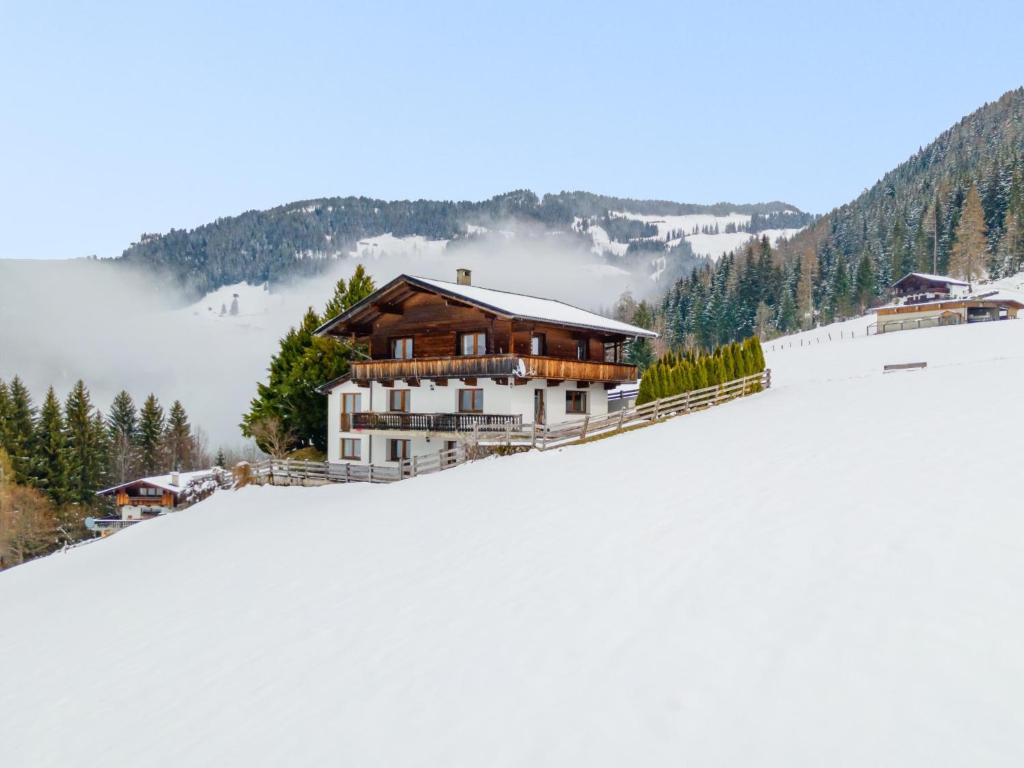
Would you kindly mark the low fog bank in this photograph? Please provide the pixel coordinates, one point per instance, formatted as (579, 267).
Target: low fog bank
(118, 327)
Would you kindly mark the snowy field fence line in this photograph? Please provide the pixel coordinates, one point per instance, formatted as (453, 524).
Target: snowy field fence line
(656, 410)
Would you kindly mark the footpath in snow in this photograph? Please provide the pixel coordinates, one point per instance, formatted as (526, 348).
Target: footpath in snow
(828, 573)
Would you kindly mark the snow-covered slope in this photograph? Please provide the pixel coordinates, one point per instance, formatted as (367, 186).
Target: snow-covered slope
(828, 573)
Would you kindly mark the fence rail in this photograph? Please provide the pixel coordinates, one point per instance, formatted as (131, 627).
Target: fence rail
(511, 434)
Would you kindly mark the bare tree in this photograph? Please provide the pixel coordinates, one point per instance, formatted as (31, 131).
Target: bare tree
(272, 436)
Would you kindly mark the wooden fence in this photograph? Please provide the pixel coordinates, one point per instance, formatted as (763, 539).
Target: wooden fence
(289, 472)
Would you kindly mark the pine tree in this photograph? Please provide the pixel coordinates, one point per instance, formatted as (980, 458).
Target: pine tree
(5, 413)
(86, 434)
(178, 442)
(221, 460)
(864, 283)
(302, 363)
(52, 461)
(19, 431)
(970, 246)
(150, 437)
(122, 433)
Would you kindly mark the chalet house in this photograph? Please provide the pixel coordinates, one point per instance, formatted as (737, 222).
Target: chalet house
(926, 301)
(919, 287)
(452, 361)
(151, 496)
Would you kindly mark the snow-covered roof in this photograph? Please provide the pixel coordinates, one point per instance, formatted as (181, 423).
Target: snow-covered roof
(510, 304)
(162, 481)
(932, 278)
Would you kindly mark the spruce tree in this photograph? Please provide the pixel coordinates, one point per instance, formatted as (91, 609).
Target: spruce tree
(5, 412)
(221, 460)
(86, 435)
(970, 246)
(122, 433)
(19, 431)
(178, 441)
(52, 461)
(150, 437)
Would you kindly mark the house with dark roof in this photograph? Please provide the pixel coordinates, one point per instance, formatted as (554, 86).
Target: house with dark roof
(448, 362)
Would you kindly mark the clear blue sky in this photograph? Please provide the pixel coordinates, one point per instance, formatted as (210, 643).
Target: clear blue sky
(121, 118)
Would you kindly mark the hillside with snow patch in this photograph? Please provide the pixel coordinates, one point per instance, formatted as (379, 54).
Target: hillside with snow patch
(827, 573)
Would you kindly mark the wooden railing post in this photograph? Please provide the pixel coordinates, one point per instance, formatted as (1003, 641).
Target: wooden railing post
(533, 436)
(767, 378)
(622, 418)
(583, 429)
(657, 406)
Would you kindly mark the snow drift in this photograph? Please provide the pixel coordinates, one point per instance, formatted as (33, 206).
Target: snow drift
(828, 573)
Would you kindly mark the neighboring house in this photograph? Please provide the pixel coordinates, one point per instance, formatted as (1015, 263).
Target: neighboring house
(918, 287)
(926, 301)
(451, 360)
(150, 496)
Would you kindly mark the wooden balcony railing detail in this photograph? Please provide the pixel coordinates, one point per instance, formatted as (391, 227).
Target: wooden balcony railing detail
(437, 422)
(507, 365)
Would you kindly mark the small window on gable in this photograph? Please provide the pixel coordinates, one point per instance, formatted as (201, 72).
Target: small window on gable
(473, 343)
(538, 344)
(401, 349)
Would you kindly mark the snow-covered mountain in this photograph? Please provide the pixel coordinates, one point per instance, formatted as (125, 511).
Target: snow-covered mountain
(827, 573)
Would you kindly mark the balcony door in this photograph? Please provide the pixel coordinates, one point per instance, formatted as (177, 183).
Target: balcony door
(350, 403)
(539, 410)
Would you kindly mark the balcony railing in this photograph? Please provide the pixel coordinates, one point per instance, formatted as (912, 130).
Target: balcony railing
(436, 422)
(514, 366)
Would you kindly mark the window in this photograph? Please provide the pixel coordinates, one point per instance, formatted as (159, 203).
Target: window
(471, 401)
(401, 349)
(575, 401)
(581, 349)
(398, 450)
(351, 448)
(398, 400)
(350, 403)
(613, 352)
(538, 344)
(472, 343)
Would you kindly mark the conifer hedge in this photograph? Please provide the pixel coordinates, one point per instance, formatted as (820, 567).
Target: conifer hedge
(676, 373)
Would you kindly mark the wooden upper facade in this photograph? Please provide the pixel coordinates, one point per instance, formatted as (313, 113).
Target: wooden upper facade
(417, 328)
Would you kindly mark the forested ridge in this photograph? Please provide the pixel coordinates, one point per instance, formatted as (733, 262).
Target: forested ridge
(301, 238)
(955, 207)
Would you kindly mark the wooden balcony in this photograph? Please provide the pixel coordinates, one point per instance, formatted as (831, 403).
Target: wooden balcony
(512, 366)
(436, 422)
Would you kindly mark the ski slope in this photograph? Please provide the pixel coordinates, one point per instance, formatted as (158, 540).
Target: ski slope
(828, 573)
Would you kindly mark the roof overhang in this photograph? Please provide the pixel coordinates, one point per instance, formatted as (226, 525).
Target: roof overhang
(354, 320)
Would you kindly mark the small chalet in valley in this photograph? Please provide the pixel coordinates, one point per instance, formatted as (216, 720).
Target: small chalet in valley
(925, 301)
(448, 360)
(151, 496)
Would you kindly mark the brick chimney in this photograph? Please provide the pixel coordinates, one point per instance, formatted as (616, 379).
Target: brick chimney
(463, 276)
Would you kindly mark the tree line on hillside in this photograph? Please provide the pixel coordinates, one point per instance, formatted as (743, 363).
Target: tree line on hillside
(676, 373)
(288, 413)
(303, 238)
(55, 458)
(956, 207)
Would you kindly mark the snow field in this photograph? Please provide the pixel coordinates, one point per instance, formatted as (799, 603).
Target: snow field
(828, 573)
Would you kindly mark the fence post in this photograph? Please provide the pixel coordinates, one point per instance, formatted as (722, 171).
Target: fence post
(622, 418)
(657, 405)
(583, 429)
(767, 378)
(533, 436)
(415, 465)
